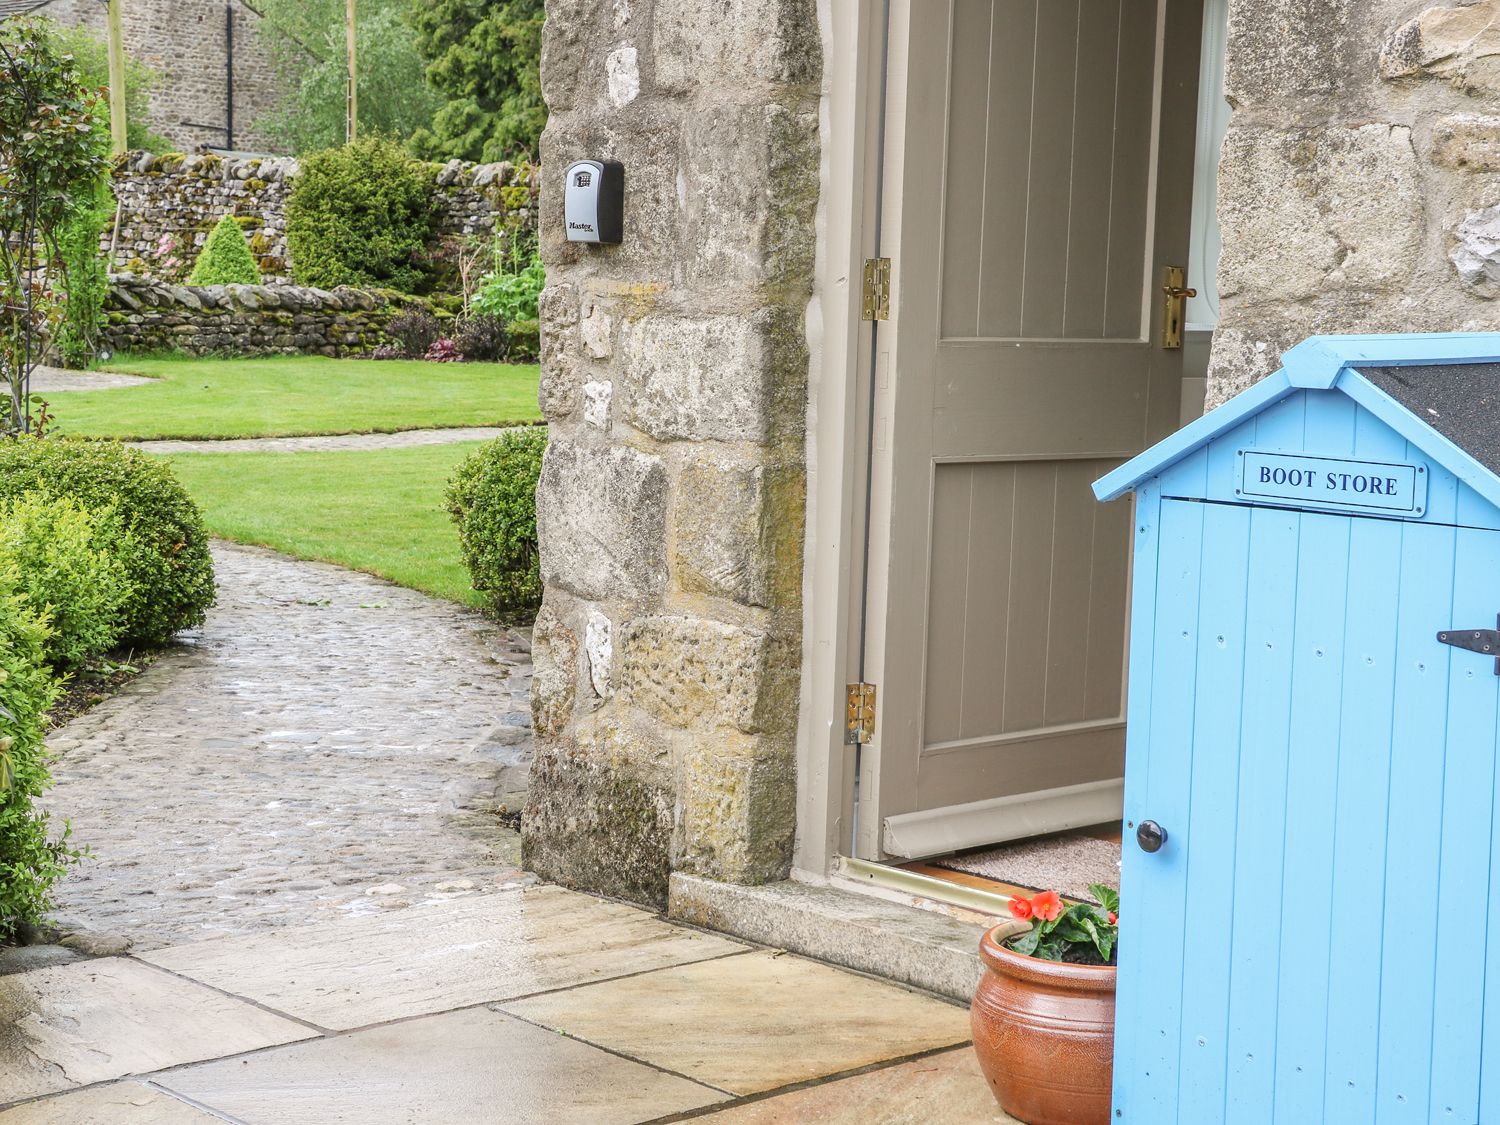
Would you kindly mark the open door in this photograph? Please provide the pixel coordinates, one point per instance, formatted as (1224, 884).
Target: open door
(1046, 172)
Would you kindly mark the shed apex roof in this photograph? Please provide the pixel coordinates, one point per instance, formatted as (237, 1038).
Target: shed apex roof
(1451, 408)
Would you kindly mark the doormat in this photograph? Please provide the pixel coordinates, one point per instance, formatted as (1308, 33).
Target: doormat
(1067, 863)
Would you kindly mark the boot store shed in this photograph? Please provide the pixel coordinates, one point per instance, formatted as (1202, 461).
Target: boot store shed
(1312, 850)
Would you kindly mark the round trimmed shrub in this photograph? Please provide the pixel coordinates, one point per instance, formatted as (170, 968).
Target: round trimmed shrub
(164, 546)
(69, 564)
(360, 215)
(492, 499)
(225, 258)
(30, 861)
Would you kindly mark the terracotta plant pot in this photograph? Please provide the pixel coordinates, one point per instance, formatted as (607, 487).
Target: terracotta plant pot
(1045, 1034)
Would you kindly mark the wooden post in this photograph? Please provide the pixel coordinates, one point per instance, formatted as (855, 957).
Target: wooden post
(353, 113)
(117, 78)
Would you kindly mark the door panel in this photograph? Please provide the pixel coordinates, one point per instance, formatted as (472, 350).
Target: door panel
(1025, 366)
(1317, 759)
(1011, 614)
(1044, 232)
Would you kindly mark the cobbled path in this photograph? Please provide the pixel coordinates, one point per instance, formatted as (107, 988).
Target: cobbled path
(327, 744)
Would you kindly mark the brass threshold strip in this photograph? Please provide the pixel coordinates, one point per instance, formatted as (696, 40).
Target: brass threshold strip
(924, 886)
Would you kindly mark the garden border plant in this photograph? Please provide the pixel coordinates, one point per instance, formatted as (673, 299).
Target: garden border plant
(492, 499)
(165, 549)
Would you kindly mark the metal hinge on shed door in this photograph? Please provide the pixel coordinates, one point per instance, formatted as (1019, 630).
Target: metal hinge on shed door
(877, 291)
(859, 714)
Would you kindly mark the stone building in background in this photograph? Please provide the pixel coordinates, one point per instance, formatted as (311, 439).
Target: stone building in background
(773, 476)
(200, 50)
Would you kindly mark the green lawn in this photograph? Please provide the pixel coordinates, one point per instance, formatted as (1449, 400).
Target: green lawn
(379, 511)
(281, 396)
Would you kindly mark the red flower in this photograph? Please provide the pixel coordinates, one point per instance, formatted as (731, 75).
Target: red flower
(1113, 917)
(1047, 906)
(1021, 908)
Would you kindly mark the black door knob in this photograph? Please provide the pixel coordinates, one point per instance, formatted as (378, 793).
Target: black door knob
(1150, 836)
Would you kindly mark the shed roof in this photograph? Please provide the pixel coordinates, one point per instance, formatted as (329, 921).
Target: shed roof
(10, 8)
(1440, 391)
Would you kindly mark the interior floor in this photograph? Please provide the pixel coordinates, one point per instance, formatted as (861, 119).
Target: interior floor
(1066, 862)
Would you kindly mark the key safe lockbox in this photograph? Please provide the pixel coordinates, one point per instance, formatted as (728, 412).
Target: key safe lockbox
(1311, 878)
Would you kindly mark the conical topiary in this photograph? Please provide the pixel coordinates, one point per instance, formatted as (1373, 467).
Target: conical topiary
(225, 258)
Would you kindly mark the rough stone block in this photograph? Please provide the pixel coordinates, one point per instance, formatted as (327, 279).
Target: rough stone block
(649, 140)
(688, 673)
(601, 520)
(1290, 49)
(739, 809)
(593, 823)
(1456, 43)
(713, 378)
(1475, 252)
(751, 217)
(554, 680)
(1469, 142)
(726, 43)
(1307, 211)
(722, 546)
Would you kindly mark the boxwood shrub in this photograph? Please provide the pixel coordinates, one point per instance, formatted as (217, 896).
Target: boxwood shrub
(166, 550)
(69, 563)
(32, 858)
(360, 215)
(492, 498)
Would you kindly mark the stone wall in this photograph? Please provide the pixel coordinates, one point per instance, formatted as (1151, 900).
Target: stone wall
(144, 315)
(1360, 179)
(169, 203)
(671, 502)
(184, 42)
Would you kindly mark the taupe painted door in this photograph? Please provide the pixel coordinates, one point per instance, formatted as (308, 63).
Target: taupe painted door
(1046, 180)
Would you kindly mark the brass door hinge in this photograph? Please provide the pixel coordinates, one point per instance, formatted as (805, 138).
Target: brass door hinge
(876, 304)
(859, 714)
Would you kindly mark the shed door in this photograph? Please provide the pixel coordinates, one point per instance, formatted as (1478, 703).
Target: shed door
(1310, 944)
(1047, 154)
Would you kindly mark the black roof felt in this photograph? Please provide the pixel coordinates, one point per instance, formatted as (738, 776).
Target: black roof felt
(1461, 401)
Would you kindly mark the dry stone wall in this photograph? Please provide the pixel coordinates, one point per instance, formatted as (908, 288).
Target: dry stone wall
(169, 203)
(145, 315)
(1359, 184)
(671, 502)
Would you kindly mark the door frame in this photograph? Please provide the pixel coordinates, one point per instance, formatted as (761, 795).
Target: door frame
(862, 105)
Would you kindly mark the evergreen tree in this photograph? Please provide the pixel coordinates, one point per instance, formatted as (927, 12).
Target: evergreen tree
(485, 57)
(225, 258)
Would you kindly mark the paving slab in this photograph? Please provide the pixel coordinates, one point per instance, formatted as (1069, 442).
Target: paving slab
(469, 1066)
(50, 380)
(327, 443)
(360, 971)
(948, 1087)
(752, 1023)
(73, 1025)
(122, 1103)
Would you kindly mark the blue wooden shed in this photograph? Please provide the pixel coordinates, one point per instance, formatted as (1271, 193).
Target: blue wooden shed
(1312, 847)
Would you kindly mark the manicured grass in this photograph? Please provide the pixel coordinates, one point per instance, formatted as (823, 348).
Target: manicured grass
(280, 396)
(379, 511)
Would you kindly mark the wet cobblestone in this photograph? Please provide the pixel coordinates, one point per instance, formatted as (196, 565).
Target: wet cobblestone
(324, 736)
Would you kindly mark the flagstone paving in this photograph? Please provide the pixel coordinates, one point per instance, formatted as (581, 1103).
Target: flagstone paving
(326, 745)
(625, 1017)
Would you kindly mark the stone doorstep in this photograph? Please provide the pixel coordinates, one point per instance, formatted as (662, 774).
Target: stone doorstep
(905, 944)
